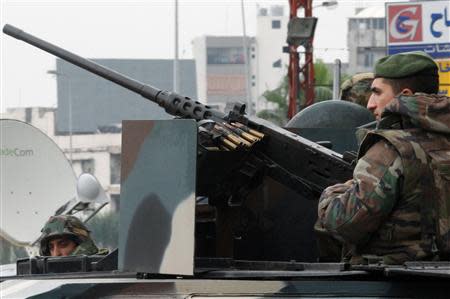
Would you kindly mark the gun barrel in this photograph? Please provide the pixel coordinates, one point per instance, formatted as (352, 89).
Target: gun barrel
(173, 103)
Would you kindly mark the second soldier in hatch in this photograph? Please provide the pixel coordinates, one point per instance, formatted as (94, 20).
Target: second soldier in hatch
(357, 89)
(66, 235)
(388, 210)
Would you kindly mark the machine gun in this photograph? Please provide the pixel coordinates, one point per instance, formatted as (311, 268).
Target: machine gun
(303, 165)
(235, 152)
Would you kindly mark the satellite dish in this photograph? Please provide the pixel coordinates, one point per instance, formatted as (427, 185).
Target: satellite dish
(90, 199)
(89, 190)
(35, 179)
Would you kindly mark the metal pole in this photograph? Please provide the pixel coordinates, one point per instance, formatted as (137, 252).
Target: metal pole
(308, 84)
(294, 68)
(175, 60)
(70, 119)
(247, 63)
(336, 79)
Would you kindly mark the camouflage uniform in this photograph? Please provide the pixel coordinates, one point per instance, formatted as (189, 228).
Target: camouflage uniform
(71, 226)
(357, 89)
(387, 210)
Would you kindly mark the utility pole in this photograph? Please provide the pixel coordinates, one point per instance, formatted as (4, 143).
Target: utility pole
(176, 79)
(247, 63)
(294, 71)
(336, 79)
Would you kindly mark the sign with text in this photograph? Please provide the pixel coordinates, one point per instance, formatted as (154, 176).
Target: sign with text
(421, 26)
(444, 76)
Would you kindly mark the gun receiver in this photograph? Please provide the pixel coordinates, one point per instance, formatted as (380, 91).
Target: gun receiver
(296, 162)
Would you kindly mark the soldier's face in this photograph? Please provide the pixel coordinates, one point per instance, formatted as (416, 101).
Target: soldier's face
(382, 94)
(63, 246)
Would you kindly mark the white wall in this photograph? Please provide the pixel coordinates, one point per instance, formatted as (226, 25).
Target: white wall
(269, 44)
(199, 51)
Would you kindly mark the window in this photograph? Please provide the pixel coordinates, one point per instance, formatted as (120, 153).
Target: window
(362, 25)
(28, 115)
(115, 202)
(276, 24)
(368, 59)
(277, 63)
(84, 166)
(234, 55)
(381, 24)
(375, 23)
(88, 166)
(115, 168)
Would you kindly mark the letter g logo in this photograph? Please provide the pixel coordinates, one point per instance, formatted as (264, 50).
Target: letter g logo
(405, 23)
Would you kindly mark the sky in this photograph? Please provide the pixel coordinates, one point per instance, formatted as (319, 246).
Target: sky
(134, 29)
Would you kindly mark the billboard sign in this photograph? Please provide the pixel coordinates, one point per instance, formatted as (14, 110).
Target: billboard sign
(421, 26)
(444, 76)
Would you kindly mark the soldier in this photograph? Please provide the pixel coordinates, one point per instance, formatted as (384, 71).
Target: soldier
(66, 235)
(404, 74)
(387, 211)
(357, 88)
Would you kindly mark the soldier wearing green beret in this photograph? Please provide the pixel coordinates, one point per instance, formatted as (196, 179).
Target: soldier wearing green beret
(406, 74)
(395, 208)
(66, 235)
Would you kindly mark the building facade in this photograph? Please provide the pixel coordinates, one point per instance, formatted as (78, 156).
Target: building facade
(366, 38)
(271, 61)
(220, 62)
(222, 69)
(82, 96)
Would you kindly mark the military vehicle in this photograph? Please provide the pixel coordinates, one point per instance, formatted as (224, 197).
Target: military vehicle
(215, 205)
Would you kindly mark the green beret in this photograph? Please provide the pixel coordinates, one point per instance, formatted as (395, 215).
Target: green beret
(405, 65)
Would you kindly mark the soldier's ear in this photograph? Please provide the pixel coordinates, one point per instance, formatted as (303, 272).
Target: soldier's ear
(407, 92)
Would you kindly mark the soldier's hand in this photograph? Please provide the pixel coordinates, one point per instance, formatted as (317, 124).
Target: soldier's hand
(349, 182)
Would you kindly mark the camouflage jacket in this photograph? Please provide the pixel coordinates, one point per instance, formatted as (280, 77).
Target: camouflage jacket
(87, 247)
(385, 210)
